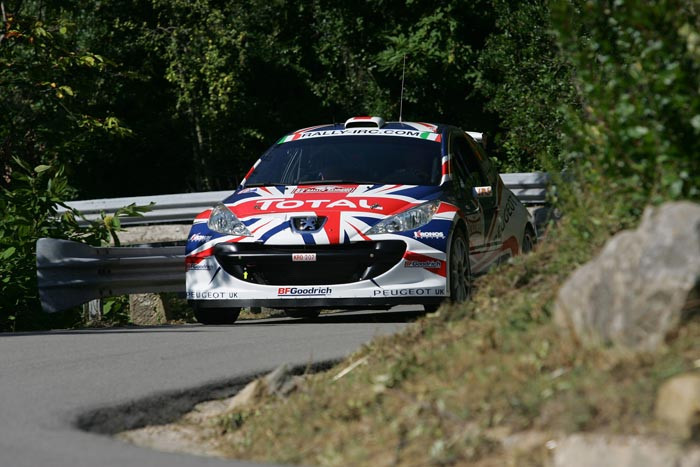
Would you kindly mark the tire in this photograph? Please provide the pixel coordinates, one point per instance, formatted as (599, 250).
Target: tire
(216, 315)
(459, 268)
(302, 313)
(528, 242)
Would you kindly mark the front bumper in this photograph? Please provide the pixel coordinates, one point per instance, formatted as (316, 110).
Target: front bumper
(209, 285)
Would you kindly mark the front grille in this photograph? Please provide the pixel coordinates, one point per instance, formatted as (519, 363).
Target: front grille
(335, 264)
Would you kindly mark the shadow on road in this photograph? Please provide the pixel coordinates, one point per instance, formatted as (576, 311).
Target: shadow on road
(341, 317)
(186, 328)
(349, 317)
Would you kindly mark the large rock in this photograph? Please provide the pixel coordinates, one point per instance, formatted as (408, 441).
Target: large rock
(642, 284)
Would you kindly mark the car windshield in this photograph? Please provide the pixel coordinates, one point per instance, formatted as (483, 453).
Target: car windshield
(350, 159)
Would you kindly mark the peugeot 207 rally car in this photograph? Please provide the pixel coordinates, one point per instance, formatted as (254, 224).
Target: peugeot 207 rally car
(363, 214)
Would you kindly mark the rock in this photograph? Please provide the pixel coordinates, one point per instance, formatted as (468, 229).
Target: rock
(146, 309)
(276, 379)
(641, 286)
(249, 395)
(150, 234)
(678, 405)
(279, 382)
(601, 450)
(175, 438)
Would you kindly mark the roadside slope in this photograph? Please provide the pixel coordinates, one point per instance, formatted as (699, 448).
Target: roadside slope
(490, 381)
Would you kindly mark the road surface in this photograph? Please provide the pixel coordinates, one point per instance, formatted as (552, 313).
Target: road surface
(52, 382)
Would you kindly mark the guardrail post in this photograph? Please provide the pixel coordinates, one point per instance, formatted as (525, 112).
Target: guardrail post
(93, 308)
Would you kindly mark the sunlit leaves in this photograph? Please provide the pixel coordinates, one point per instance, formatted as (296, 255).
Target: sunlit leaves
(637, 72)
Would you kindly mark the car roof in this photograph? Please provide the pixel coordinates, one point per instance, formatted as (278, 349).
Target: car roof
(417, 126)
(367, 125)
(377, 126)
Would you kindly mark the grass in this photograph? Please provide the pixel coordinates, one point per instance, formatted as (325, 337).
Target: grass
(456, 384)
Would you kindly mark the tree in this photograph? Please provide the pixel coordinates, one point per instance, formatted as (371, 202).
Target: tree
(633, 132)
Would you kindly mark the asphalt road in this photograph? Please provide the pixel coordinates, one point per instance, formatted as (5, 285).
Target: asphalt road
(51, 380)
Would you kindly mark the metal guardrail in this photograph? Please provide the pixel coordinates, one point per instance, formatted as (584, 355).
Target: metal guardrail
(71, 273)
(530, 188)
(167, 209)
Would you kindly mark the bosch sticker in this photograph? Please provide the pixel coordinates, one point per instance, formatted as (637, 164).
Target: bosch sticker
(426, 235)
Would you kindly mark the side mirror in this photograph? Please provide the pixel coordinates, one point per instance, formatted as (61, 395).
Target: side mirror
(482, 191)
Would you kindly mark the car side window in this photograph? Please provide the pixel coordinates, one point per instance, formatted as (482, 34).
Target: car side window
(466, 158)
(484, 162)
(459, 174)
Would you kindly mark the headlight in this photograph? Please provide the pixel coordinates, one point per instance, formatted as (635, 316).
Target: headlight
(407, 220)
(222, 220)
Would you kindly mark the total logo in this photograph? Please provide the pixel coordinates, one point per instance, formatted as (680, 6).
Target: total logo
(426, 235)
(304, 291)
(315, 204)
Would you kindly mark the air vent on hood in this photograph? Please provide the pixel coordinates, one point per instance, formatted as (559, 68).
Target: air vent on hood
(365, 122)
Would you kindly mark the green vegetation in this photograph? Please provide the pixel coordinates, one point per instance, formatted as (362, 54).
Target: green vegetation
(29, 205)
(632, 134)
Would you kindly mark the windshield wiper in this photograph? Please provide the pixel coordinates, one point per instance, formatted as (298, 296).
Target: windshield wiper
(335, 182)
(253, 185)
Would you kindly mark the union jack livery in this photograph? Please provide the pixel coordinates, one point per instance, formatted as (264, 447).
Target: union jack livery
(365, 214)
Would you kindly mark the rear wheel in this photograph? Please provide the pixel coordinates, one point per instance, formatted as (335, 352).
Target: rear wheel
(302, 312)
(459, 268)
(217, 315)
(528, 242)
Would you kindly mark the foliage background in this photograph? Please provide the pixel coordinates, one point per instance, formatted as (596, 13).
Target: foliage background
(180, 95)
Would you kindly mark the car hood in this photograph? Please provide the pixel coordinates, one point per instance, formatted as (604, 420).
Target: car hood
(321, 214)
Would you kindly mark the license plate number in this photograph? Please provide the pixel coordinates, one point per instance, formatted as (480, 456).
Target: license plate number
(304, 257)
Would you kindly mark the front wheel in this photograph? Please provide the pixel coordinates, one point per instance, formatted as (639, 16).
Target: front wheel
(459, 269)
(217, 315)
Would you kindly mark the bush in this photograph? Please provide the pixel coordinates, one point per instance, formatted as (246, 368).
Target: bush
(28, 211)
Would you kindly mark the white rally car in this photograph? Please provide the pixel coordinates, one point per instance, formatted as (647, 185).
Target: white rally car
(365, 214)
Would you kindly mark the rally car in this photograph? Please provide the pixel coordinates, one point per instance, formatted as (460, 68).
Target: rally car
(365, 214)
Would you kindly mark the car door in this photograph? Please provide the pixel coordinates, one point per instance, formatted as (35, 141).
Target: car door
(477, 192)
(489, 199)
